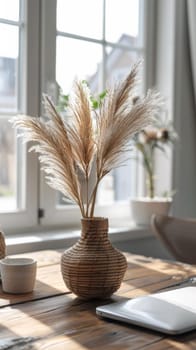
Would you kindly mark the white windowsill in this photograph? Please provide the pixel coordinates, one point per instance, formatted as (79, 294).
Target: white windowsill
(56, 239)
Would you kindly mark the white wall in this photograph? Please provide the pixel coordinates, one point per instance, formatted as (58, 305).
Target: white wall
(173, 79)
(185, 120)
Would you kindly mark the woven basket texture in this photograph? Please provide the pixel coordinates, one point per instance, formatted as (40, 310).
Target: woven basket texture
(93, 268)
(2, 246)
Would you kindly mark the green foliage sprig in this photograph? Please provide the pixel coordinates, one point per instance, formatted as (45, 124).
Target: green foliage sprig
(96, 101)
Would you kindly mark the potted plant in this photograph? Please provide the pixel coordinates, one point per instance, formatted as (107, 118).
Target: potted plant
(159, 135)
(67, 150)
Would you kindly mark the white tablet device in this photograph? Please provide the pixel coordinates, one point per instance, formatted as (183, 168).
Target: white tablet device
(172, 312)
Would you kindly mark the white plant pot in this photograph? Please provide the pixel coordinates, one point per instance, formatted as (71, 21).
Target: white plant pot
(143, 208)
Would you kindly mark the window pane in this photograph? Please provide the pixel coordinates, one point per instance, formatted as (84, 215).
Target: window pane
(77, 59)
(10, 10)
(122, 20)
(125, 180)
(119, 62)
(85, 60)
(120, 184)
(8, 68)
(11, 168)
(7, 166)
(80, 17)
(106, 193)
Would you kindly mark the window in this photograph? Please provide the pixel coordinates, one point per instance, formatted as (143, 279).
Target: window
(18, 181)
(99, 46)
(97, 43)
(53, 44)
(9, 104)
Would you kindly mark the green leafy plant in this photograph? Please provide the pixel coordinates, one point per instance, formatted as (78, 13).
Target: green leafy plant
(63, 100)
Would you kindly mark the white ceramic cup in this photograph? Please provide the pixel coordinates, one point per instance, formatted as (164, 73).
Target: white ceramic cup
(18, 275)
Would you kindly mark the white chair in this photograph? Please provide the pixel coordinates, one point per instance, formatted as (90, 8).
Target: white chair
(178, 235)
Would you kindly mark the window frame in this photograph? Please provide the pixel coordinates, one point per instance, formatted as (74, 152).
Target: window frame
(37, 49)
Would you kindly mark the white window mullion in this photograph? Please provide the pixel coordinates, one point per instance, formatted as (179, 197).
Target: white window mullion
(33, 102)
(48, 86)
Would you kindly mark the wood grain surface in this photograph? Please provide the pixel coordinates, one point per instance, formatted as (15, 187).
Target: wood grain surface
(53, 318)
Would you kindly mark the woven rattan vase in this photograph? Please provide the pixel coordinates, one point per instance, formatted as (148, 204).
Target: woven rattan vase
(93, 268)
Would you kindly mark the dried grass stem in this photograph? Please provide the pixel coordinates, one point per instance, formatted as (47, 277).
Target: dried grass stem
(68, 152)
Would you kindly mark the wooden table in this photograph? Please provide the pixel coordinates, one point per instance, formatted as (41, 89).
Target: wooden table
(53, 318)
